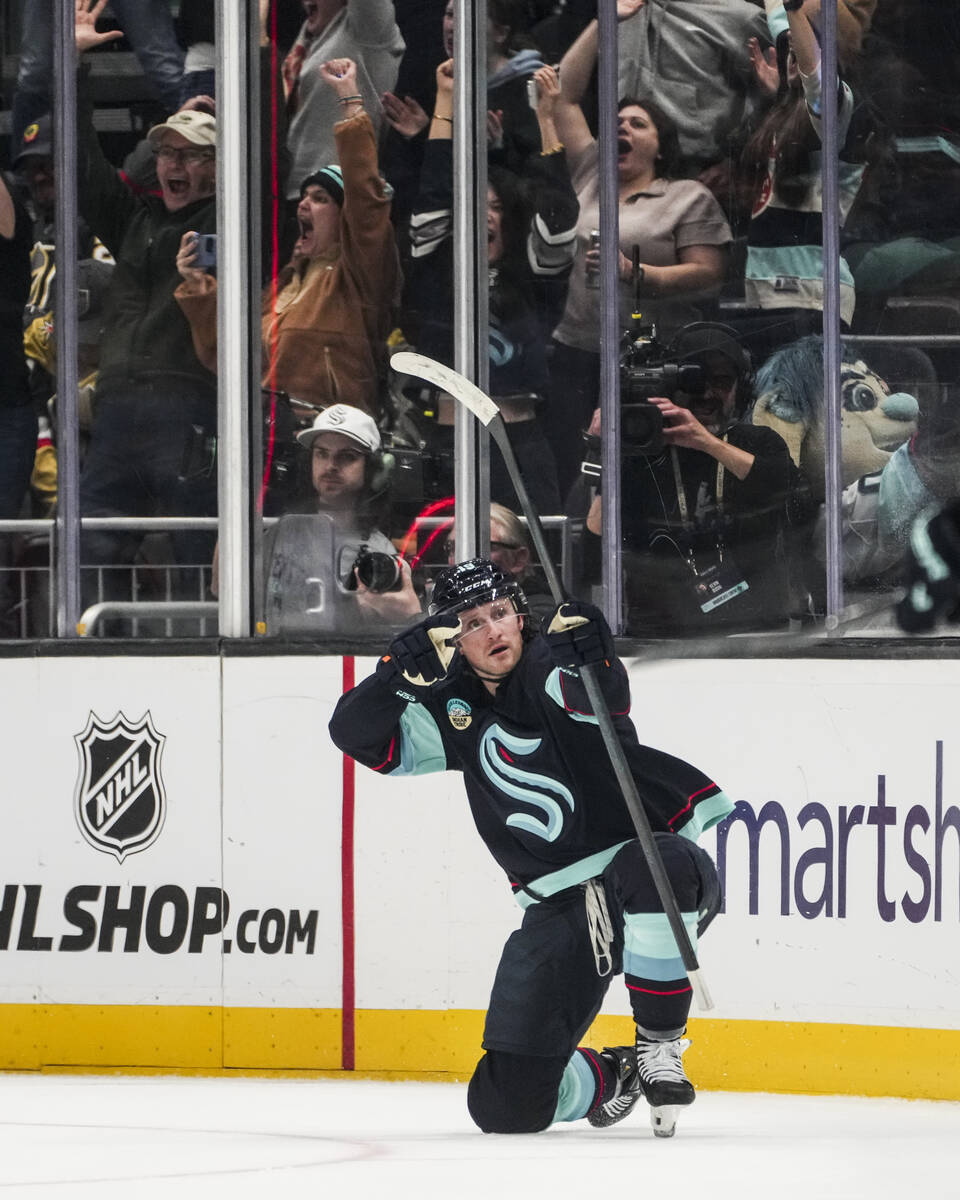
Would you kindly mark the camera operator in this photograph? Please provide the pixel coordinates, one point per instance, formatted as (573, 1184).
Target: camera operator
(711, 507)
(340, 572)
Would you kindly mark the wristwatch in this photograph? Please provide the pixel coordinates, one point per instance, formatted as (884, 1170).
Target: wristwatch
(792, 5)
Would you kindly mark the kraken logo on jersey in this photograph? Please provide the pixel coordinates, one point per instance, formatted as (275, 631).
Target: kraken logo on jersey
(496, 749)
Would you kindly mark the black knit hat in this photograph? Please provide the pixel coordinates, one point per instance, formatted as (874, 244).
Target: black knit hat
(330, 178)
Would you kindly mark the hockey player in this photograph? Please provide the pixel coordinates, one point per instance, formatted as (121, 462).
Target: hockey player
(474, 688)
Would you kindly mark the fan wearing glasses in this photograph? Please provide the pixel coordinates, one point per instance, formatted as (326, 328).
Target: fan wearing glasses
(510, 550)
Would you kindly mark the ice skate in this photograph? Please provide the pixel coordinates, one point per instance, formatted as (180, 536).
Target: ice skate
(623, 1059)
(663, 1081)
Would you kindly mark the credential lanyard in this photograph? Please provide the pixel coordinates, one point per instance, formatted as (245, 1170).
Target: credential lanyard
(685, 508)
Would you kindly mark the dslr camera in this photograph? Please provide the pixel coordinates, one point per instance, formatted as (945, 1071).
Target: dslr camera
(376, 570)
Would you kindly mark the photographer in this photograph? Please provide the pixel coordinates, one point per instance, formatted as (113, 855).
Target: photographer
(329, 568)
(712, 508)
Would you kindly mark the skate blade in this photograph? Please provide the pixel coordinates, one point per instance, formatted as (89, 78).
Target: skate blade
(663, 1119)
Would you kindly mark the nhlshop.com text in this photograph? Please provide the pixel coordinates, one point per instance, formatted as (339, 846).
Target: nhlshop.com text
(167, 920)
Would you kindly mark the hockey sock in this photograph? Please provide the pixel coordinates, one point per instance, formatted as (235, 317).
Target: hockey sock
(653, 971)
(587, 1079)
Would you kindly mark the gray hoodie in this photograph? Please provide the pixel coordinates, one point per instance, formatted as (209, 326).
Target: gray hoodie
(690, 57)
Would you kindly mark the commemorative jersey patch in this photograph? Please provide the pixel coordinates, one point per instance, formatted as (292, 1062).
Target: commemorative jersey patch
(459, 712)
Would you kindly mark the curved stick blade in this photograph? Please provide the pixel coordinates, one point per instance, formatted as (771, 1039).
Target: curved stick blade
(459, 387)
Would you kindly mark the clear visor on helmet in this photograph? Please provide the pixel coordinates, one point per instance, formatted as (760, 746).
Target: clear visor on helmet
(500, 614)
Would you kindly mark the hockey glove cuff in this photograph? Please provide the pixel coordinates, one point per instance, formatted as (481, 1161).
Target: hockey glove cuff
(578, 634)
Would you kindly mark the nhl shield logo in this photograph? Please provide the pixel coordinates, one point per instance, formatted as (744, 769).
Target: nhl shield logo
(120, 803)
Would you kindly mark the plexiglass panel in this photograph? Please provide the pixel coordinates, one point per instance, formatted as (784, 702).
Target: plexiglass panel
(721, 157)
(367, 508)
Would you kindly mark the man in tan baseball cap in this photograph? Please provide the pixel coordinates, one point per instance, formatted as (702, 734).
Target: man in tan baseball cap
(196, 126)
(185, 148)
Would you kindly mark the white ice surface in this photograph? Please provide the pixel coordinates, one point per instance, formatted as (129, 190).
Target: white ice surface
(141, 1138)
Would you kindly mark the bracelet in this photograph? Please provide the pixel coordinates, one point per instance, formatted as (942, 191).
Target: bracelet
(349, 99)
(557, 148)
(449, 120)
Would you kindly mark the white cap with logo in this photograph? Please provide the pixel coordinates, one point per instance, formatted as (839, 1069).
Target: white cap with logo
(352, 422)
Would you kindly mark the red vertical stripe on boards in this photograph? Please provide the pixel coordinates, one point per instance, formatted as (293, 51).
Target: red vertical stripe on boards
(277, 203)
(349, 980)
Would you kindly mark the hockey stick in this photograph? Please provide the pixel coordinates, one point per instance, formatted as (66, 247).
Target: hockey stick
(487, 413)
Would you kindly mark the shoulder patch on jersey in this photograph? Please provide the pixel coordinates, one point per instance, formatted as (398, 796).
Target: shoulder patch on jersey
(459, 712)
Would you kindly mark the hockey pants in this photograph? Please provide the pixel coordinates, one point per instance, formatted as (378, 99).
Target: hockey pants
(549, 987)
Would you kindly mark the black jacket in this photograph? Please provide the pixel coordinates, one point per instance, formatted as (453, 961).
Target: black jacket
(757, 532)
(147, 334)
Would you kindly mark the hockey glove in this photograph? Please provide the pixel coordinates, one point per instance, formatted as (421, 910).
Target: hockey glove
(578, 634)
(421, 656)
(933, 571)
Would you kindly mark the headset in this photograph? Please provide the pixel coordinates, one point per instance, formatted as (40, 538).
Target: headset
(741, 357)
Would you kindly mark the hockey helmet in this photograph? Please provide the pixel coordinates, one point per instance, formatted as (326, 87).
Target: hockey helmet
(476, 581)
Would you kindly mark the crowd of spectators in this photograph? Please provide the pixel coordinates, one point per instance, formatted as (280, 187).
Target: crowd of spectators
(720, 268)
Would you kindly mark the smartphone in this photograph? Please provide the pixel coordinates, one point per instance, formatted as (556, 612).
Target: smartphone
(206, 258)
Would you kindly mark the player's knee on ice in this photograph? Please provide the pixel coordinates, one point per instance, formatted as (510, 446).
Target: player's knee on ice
(514, 1093)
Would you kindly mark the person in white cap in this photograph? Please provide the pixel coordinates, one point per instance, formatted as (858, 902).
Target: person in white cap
(371, 584)
(349, 472)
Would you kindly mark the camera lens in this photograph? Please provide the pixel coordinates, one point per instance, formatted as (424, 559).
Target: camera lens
(642, 427)
(691, 379)
(378, 571)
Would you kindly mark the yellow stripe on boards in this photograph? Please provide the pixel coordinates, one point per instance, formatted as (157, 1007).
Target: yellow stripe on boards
(419, 1040)
(282, 1038)
(763, 1056)
(35, 1036)
(808, 1058)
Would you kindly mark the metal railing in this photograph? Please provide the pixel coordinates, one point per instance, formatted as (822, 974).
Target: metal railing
(161, 599)
(166, 610)
(162, 593)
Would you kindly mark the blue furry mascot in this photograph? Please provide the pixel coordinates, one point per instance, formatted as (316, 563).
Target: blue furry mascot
(874, 422)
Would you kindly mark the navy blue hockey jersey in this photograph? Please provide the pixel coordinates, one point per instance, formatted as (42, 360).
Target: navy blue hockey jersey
(543, 794)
